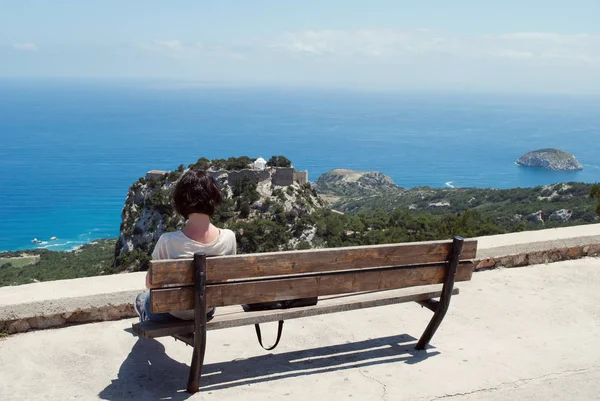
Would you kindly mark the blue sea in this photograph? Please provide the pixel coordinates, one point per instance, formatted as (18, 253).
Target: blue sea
(70, 149)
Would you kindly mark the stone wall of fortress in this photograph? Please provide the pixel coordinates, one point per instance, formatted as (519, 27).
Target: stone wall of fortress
(281, 176)
(301, 177)
(155, 174)
(234, 176)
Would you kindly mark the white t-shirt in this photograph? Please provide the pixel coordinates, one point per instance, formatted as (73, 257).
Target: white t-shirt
(177, 245)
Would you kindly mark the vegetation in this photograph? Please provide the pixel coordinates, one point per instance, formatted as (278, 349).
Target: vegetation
(279, 161)
(350, 183)
(233, 163)
(509, 209)
(136, 260)
(595, 194)
(17, 261)
(238, 163)
(230, 164)
(94, 259)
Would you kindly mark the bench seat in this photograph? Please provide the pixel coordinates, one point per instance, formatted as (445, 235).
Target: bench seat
(234, 316)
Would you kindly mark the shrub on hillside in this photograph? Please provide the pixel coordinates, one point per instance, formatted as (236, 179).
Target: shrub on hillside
(595, 193)
(279, 161)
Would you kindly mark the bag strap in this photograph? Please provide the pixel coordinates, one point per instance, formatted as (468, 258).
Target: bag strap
(259, 336)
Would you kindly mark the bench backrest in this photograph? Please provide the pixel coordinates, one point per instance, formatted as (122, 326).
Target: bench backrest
(275, 276)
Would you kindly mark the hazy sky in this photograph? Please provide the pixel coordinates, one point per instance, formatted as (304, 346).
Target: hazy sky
(475, 45)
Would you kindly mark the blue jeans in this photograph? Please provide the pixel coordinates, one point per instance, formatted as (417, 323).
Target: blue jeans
(167, 317)
(158, 317)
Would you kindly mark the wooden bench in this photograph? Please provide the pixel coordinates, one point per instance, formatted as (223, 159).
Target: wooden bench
(186, 284)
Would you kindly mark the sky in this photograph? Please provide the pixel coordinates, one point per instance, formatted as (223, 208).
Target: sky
(467, 45)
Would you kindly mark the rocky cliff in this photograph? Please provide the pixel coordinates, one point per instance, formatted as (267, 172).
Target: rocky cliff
(341, 182)
(267, 214)
(553, 159)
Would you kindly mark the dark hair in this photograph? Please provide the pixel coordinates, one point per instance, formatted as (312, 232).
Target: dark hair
(196, 192)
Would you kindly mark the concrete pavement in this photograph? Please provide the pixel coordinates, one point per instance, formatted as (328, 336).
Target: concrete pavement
(530, 333)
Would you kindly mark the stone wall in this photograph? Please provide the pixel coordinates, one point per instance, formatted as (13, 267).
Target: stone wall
(301, 177)
(538, 257)
(283, 176)
(155, 174)
(260, 175)
(79, 316)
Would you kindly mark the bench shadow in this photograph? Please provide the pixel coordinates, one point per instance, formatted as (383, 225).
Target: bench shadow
(149, 373)
(272, 367)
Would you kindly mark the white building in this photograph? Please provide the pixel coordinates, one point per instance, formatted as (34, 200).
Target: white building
(260, 164)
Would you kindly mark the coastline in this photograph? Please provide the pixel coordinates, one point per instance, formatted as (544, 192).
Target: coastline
(26, 252)
(74, 244)
(61, 244)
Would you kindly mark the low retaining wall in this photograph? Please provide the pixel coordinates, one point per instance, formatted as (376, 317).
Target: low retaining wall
(537, 247)
(539, 257)
(63, 302)
(88, 315)
(93, 299)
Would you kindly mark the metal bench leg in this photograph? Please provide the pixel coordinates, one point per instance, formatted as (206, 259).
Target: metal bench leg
(444, 303)
(199, 322)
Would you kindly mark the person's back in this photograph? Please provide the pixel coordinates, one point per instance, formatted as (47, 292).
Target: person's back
(196, 196)
(177, 245)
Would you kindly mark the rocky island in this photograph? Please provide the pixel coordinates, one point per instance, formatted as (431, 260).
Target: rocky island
(552, 159)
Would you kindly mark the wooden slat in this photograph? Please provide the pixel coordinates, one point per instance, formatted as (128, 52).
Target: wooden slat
(182, 298)
(229, 268)
(150, 329)
(322, 308)
(223, 319)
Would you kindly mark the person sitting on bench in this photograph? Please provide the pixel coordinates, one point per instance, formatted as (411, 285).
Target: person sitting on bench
(196, 196)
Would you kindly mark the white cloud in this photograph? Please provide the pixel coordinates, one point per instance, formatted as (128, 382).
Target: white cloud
(172, 48)
(190, 50)
(172, 45)
(394, 44)
(416, 59)
(527, 35)
(25, 47)
(342, 43)
(512, 54)
(388, 46)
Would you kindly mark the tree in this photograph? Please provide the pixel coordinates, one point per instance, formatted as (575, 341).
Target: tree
(245, 187)
(303, 245)
(231, 164)
(595, 193)
(202, 163)
(279, 161)
(260, 235)
(244, 210)
(238, 163)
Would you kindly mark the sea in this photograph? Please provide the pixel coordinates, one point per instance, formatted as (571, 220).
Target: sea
(70, 149)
